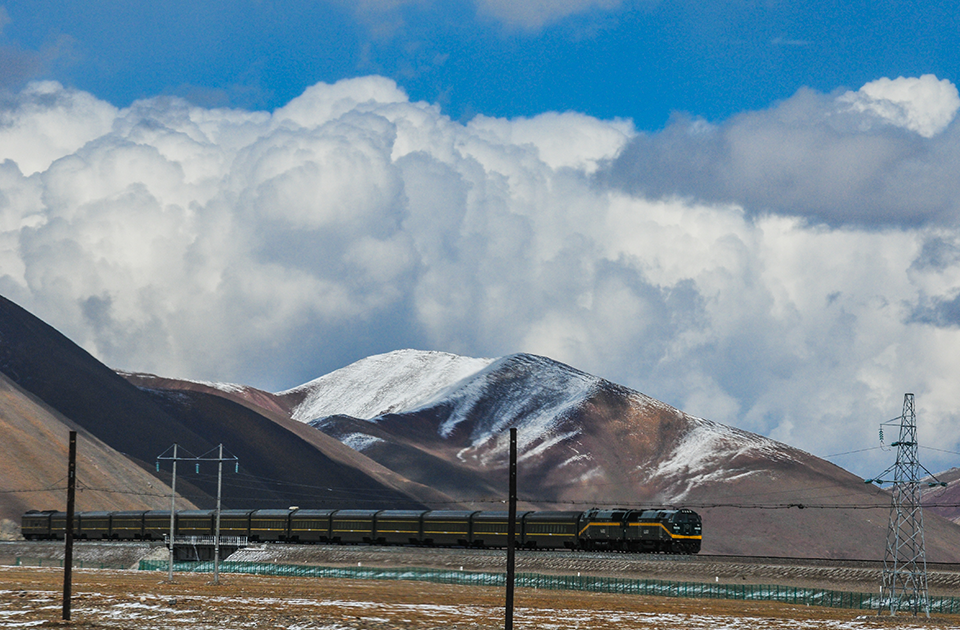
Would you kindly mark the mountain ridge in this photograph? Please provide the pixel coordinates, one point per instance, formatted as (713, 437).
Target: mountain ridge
(585, 440)
(434, 435)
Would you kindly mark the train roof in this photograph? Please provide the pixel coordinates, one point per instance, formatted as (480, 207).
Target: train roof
(235, 512)
(553, 516)
(355, 513)
(312, 513)
(273, 512)
(196, 513)
(434, 515)
(400, 513)
(498, 515)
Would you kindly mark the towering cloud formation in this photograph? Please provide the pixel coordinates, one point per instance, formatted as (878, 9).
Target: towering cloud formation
(791, 271)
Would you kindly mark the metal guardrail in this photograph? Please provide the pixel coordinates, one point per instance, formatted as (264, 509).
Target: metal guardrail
(207, 541)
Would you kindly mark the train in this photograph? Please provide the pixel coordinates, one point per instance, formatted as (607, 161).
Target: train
(676, 531)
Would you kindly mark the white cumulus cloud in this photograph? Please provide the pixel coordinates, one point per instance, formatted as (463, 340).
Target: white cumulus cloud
(924, 105)
(271, 247)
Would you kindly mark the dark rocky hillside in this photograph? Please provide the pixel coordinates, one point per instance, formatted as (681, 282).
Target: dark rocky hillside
(277, 462)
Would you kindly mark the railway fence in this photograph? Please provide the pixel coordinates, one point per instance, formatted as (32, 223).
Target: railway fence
(626, 586)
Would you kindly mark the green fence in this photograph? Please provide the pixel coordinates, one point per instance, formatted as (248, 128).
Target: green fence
(662, 588)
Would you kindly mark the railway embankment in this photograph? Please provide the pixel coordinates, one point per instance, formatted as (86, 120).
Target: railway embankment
(848, 575)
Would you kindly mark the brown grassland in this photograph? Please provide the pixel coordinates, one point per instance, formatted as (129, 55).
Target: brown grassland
(32, 597)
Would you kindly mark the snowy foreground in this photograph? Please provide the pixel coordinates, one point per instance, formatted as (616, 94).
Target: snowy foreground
(152, 611)
(31, 598)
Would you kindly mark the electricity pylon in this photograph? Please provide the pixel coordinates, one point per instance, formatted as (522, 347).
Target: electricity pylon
(903, 584)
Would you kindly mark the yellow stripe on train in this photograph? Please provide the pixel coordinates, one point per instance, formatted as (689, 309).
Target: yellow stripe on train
(661, 525)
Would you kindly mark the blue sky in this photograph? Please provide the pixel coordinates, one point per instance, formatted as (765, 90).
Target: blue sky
(637, 59)
(748, 210)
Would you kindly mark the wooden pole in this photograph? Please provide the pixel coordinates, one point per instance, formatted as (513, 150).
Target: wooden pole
(511, 530)
(68, 534)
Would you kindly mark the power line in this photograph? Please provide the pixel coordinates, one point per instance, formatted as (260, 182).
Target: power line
(861, 450)
(785, 505)
(939, 450)
(22, 490)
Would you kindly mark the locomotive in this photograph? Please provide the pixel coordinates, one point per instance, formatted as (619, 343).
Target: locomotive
(612, 529)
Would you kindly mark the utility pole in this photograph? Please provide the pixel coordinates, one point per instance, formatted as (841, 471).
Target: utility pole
(173, 504)
(173, 512)
(511, 531)
(903, 582)
(68, 534)
(216, 537)
(216, 533)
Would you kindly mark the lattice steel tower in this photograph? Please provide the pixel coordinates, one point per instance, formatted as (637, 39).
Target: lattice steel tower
(903, 583)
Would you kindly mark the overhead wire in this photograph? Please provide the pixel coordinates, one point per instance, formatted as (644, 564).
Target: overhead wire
(541, 501)
(295, 490)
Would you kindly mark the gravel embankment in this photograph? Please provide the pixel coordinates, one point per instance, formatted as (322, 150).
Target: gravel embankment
(848, 575)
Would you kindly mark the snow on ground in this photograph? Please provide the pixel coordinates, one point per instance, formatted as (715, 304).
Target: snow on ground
(208, 613)
(385, 383)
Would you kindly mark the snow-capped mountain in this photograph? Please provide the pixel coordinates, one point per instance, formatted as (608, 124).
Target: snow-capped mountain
(586, 441)
(384, 383)
(475, 401)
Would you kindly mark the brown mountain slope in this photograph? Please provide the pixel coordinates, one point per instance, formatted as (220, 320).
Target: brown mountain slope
(33, 464)
(248, 408)
(277, 462)
(944, 501)
(265, 403)
(283, 462)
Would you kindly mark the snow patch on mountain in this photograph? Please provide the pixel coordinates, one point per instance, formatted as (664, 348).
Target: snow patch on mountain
(708, 453)
(547, 397)
(385, 383)
(227, 388)
(360, 441)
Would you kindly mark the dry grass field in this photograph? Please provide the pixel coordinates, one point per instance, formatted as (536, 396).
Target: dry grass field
(131, 600)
